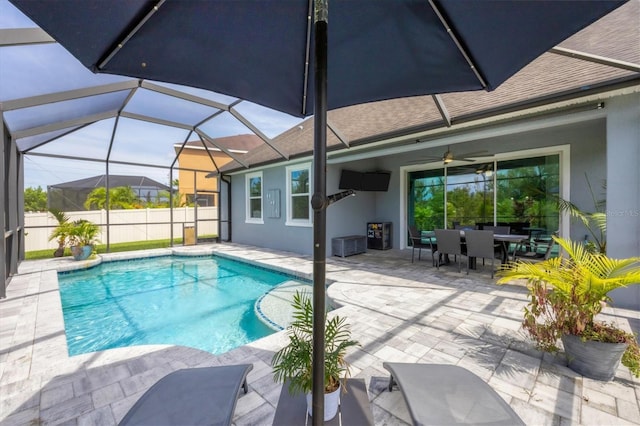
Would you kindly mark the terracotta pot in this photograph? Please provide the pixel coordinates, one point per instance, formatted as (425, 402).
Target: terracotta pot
(596, 360)
(331, 403)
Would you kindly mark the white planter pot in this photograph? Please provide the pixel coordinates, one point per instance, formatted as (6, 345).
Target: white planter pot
(331, 403)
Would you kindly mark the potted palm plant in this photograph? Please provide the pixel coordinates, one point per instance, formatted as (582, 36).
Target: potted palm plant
(83, 235)
(565, 295)
(293, 363)
(61, 232)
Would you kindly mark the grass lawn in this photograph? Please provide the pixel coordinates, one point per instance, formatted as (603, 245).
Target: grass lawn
(114, 248)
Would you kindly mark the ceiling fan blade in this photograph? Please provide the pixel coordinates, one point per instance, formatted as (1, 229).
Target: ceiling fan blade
(471, 154)
(425, 160)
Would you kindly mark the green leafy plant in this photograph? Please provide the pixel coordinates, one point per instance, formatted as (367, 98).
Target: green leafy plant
(595, 222)
(294, 361)
(61, 232)
(566, 294)
(83, 233)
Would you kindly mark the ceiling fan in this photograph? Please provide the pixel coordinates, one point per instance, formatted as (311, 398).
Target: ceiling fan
(448, 157)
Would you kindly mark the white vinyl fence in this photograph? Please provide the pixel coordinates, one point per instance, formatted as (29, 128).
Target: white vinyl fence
(125, 225)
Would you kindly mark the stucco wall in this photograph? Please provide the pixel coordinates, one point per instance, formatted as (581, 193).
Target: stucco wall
(623, 189)
(586, 136)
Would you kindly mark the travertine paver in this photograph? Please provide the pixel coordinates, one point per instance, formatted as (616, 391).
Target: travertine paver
(398, 310)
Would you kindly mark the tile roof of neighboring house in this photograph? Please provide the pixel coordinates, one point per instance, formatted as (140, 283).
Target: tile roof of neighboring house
(240, 144)
(550, 78)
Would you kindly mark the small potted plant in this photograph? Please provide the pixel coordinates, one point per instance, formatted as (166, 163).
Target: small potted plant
(565, 295)
(83, 235)
(293, 363)
(60, 232)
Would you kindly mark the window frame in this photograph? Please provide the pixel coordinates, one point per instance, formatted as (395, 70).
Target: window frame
(248, 198)
(563, 150)
(290, 221)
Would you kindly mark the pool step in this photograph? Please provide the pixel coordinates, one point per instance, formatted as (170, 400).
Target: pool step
(274, 308)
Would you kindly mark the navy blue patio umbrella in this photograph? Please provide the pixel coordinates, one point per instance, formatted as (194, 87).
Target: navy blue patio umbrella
(303, 57)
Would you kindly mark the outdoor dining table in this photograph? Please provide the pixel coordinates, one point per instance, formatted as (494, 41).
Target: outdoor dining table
(504, 239)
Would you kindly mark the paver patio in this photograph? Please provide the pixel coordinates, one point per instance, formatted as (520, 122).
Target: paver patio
(399, 311)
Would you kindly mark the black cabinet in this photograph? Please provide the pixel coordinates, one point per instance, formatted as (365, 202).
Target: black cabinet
(379, 235)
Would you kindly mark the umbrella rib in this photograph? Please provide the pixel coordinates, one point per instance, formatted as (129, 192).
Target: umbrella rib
(121, 44)
(458, 44)
(306, 59)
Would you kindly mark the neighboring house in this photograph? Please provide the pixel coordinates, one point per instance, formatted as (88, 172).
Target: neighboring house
(71, 196)
(200, 187)
(571, 113)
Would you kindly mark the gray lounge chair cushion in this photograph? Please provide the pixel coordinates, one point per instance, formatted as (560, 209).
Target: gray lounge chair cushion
(192, 396)
(438, 394)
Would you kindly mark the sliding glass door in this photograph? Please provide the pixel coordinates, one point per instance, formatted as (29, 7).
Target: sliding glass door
(518, 192)
(426, 199)
(528, 190)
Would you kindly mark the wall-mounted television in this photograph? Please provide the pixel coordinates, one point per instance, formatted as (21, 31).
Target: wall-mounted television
(350, 179)
(376, 181)
(364, 181)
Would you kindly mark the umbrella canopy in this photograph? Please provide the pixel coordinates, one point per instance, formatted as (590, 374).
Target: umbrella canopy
(262, 51)
(302, 57)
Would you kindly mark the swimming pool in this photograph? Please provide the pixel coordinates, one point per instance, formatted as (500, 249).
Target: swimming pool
(201, 302)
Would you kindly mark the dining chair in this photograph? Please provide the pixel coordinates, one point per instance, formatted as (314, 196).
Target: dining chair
(449, 242)
(540, 250)
(480, 244)
(501, 250)
(464, 227)
(503, 230)
(417, 242)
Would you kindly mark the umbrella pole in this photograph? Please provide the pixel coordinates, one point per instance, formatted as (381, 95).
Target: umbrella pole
(319, 204)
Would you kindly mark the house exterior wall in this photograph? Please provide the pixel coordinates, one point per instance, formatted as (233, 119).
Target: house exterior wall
(585, 133)
(198, 159)
(623, 188)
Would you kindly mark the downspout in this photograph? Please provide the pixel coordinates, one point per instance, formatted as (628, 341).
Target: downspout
(227, 180)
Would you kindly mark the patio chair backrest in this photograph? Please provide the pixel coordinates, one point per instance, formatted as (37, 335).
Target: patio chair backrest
(416, 238)
(501, 230)
(464, 227)
(448, 241)
(479, 243)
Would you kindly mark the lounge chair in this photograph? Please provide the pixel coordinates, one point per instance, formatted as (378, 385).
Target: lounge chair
(439, 394)
(192, 396)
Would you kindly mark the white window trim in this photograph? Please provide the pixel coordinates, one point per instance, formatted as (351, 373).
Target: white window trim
(248, 218)
(298, 222)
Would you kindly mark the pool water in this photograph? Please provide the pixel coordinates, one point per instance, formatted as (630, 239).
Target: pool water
(203, 302)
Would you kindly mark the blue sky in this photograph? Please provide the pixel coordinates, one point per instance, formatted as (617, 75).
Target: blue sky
(27, 71)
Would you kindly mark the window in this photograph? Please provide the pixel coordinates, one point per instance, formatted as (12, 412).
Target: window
(254, 197)
(520, 192)
(299, 195)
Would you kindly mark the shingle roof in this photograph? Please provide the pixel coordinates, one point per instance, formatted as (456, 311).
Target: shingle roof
(238, 143)
(549, 78)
